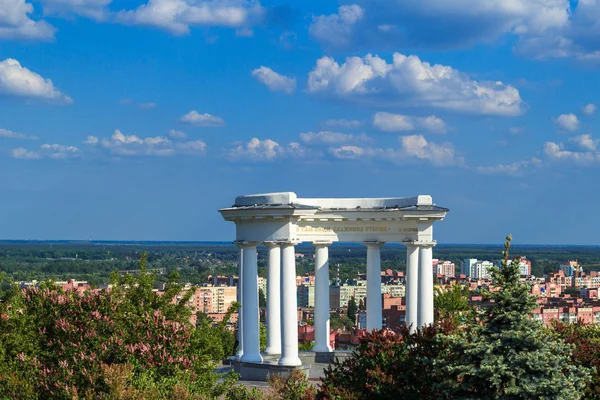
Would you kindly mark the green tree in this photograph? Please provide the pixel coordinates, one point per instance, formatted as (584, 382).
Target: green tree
(505, 354)
(352, 308)
(262, 299)
(339, 321)
(361, 305)
(450, 302)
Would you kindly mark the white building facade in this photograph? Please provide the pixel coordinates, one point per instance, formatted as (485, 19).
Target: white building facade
(280, 221)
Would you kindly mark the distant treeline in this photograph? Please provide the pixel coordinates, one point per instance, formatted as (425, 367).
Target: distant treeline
(95, 261)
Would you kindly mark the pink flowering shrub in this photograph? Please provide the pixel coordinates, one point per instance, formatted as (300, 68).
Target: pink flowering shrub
(58, 343)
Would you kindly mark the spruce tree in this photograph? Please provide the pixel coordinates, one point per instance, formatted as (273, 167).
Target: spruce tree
(508, 355)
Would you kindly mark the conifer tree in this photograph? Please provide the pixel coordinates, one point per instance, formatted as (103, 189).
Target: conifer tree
(508, 355)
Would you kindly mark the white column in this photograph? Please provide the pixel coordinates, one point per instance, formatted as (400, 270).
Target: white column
(374, 312)
(425, 302)
(240, 350)
(289, 309)
(251, 332)
(273, 299)
(322, 297)
(412, 279)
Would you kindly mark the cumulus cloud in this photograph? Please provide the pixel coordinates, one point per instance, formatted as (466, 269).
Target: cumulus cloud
(91, 140)
(16, 24)
(54, 151)
(337, 30)
(132, 145)
(569, 122)
(266, 150)
(329, 138)
(585, 142)
(274, 81)
(197, 119)
(412, 148)
(589, 109)
(95, 9)
(559, 152)
(403, 123)
(543, 28)
(18, 81)
(177, 16)
(408, 81)
(5, 133)
(341, 123)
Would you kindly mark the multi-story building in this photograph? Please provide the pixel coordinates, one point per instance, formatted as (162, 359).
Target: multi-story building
(306, 296)
(305, 280)
(339, 296)
(524, 266)
(571, 268)
(214, 299)
(467, 267)
(262, 284)
(480, 270)
(444, 268)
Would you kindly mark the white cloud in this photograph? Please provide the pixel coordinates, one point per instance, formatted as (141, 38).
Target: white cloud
(348, 152)
(412, 148)
(24, 154)
(16, 24)
(404, 123)
(19, 81)
(341, 123)
(336, 30)
(433, 124)
(91, 140)
(393, 122)
(176, 134)
(329, 137)
(197, 119)
(569, 122)
(4, 133)
(543, 28)
(256, 150)
(408, 81)
(95, 9)
(177, 16)
(266, 150)
(585, 141)
(515, 168)
(54, 151)
(558, 152)
(589, 109)
(132, 145)
(274, 81)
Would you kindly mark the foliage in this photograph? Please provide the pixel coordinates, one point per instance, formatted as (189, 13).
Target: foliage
(586, 352)
(294, 387)
(361, 305)
(453, 303)
(389, 365)
(241, 392)
(339, 321)
(54, 344)
(508, 355)
(352, 308)
(262, 299)
(305, 346)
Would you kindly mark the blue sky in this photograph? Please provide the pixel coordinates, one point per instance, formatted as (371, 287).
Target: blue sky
(129, 120)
